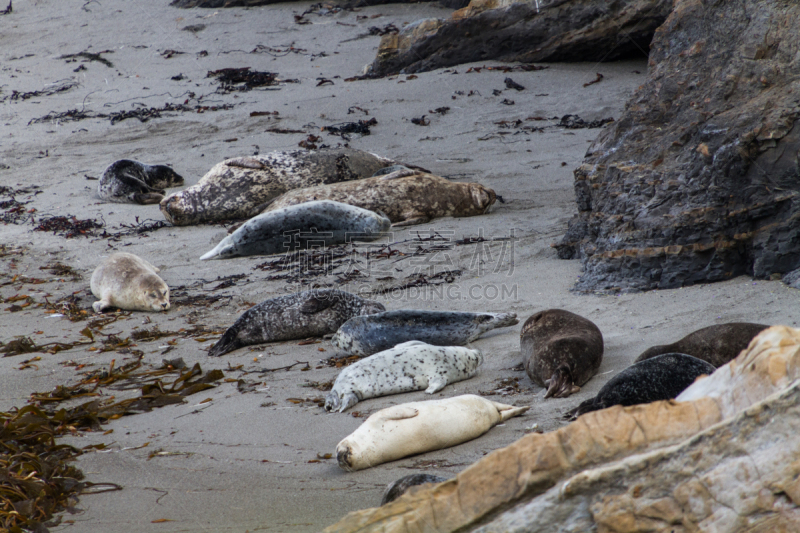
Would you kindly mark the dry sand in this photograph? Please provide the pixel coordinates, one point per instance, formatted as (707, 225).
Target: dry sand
(244, 458)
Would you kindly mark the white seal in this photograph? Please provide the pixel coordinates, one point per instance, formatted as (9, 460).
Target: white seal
(418, 427)
(126, 281)
(407, 367)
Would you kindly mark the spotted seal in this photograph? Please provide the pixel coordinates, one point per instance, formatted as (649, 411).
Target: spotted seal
(365, 336)
(295, 316)
(322, 222)
(406, 196)
(127, 281)
(717, 344)
(395, 489)
(560, 351)
(127, 181)
(407, 367)
(238, 188)
(662, 377)
(417, 427)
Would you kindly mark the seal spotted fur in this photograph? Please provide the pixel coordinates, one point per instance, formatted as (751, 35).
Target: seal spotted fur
(318, 222)
(365, 336)
(662, 377)
(238, 188)
(127, 181)
(127, 281)
(407, 367)
(295, 316)
(405, 196)
(395, 489)
(560, 350)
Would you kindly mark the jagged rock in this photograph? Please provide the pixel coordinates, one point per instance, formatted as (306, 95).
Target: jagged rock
(508, 30)
(698, 180)
(454, 4)
(720, 429)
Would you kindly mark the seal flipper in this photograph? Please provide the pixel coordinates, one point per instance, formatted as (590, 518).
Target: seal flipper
(561, 385)
(399, 412)
(586, 406)
(435, 384)
(227, 343)
(348, 401)
(147, 198)
(509, 411)
(411, 221)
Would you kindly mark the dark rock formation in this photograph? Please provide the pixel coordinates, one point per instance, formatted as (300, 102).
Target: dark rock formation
(547, 30)
(698, 180)
(455, 4)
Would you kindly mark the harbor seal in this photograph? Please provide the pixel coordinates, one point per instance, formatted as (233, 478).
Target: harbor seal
(418, 427)
(407, 367)
(127, 281)
(238, 188)
(322, 222)
(395, 489)
(560, 350)
(127, 181)
(406, 196)
(717, 345)
(662, 377)
(365, 336)
(295, 316)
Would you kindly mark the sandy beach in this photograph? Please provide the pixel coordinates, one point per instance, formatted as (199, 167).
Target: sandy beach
(256, 460)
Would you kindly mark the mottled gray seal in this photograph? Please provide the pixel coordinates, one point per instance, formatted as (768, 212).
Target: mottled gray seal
(238, 188)
(295, 316)
(127, 181)
(395, 489)
(405, 196)
(560, 350)
(715, 344)
(662, 377)
(127, 281)
(407, 367)
(417, 427)
(322, 222)
(364, 335)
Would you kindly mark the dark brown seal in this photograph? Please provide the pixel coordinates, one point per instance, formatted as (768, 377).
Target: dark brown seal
(717, 345)
(560, 350)
(395, 489)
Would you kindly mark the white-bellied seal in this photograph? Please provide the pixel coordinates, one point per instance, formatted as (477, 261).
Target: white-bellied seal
(560, 350)
(364, 336)
(127, 181)
(717, 345)
(406, 196)
(238, 188)
(127, 281)
(407, 367)
(417, 427)
(323, 222)
(295, 316)
(395, 489)
(662, 377)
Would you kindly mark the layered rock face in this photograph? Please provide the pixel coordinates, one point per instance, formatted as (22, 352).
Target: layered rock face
(698, 180)
(535, 30)
(723, 457)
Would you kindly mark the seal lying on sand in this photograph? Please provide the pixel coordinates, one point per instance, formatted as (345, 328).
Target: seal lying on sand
(717, 345)
(322, 222)
(127, 181)
(238, 188)
(295, 316)
(364, 336)
(560, 350)
(407, 367)
(395, 489)
(126, 281)
(406, 196)
(417, 427)
(662, 377)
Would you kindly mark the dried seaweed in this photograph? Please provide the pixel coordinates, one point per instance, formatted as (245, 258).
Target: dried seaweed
(89, 56)
(574, 122)
(505, 68)
(14, 211)
(53, 88)
(62, 271)
(241, 79)
(504, 387)
(343, 129)
(7, 11)
(140, 228)
(598, 79)
(69, 226)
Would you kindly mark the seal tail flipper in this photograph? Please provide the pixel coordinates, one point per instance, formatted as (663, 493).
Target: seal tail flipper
(411, 222)
(348, 401)
(435, 384)
(509, 411)
(560, 384)
(147, 198)
(227, 343)
(586, 406)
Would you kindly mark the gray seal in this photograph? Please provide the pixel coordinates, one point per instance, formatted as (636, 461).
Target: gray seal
(367, 335)
(240, 187)
(717, 345)
(662, 377)
(323, 222)
(126, 281)
(132, 182)
(295, 316)
(395, 489)
(407, 367)
(560, 350)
